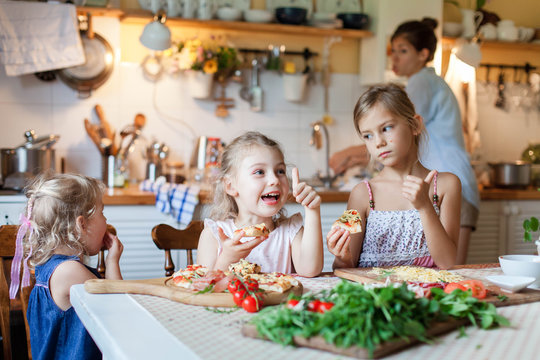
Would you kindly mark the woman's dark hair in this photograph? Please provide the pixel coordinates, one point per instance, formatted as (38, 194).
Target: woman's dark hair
(420, 34)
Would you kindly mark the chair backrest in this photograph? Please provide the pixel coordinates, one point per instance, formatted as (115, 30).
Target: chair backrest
(168, 238)
(101, 255)
(8, 235)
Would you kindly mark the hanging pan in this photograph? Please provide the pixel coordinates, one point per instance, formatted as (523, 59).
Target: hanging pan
(98, 66)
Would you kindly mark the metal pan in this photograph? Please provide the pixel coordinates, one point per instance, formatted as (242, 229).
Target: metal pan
(98, 66)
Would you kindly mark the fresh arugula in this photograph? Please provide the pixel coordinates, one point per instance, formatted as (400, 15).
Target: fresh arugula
(222, 311)
(207, 289)
(368, 317)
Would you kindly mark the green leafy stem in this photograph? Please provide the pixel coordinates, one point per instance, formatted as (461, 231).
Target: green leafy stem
(530, 226)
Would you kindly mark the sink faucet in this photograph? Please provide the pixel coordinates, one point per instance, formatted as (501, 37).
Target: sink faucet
(317, 140)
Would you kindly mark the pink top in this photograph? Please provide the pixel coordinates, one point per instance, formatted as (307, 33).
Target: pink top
(273, 254)
(395, 237)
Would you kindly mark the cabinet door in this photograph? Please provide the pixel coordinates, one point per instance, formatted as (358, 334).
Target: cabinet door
(488, 241)
(329, 213)
(517, 212)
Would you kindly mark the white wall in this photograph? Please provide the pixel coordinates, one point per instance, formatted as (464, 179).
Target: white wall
(27, 102)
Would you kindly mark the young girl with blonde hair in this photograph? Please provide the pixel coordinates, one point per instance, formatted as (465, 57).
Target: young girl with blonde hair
(64, 216)
(411, 213)
(253, 188)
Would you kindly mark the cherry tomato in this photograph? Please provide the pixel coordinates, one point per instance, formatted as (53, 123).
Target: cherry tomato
(235, 285)
(292, 303)
(314, 305)
(453, 286)
(239, 296)
(251, 284)
(324, 307)
(477, 287)
(250, 304)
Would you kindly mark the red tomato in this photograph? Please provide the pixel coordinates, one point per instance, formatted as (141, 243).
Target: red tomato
(239, 296)
(324, 307)
(235, 285)
(477, 287)
(292, 303)
(453, 286)
(314, 305)
(250, 304)
(251, 284)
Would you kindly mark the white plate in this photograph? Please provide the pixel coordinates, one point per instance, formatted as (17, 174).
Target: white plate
(237, 4)
(511, 283)
(338, 6)
(306, 4)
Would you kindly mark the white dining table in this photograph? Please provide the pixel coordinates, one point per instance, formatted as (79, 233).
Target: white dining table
(130, 326)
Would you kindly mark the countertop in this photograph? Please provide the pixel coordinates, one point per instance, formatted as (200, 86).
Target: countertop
(133, 196)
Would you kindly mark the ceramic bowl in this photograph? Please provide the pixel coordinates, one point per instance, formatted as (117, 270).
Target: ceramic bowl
(291, 15)
(511, 283)
(522, 265)
(357, 21)
(453, 29)
(258, 16)
(227, 13)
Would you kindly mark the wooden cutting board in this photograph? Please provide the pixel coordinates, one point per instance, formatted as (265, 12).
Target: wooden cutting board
(162, 287)
(525, 296)
(384, 349)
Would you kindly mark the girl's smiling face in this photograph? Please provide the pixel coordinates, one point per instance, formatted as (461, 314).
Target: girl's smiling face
(389, 138)
(406, 60)
(259, 186)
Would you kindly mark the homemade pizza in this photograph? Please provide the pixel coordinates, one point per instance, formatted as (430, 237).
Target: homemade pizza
(417, 274)
(254, 230)
(184, 277)
(350, 220)
(275, 281)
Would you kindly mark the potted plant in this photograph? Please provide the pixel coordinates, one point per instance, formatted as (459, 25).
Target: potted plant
(530, 226)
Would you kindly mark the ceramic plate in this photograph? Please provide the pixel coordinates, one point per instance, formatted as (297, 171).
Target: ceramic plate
(511, 283)
(306, 4)
(237, 4)
(338, 6)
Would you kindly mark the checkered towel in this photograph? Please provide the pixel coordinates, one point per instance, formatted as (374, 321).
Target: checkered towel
(177, 200)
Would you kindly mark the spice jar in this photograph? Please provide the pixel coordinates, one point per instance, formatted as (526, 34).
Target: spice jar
(175, 173)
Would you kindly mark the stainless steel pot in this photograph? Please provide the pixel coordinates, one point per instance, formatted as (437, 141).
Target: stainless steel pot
(21, 164)
(511, 174)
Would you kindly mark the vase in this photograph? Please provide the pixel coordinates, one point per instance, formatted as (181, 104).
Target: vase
(200, 84)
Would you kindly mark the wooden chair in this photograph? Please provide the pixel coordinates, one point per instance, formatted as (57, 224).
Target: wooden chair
(8, 234)
(168, 238)
(101, 255)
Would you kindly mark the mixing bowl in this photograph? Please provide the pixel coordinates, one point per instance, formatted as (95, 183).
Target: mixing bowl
(522, 265)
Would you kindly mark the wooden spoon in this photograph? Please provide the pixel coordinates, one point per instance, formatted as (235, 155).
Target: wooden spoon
(107, 131)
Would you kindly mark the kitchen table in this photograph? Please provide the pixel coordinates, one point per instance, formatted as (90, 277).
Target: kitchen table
(128, 326)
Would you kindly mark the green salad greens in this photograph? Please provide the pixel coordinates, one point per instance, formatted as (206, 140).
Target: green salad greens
(366, 317)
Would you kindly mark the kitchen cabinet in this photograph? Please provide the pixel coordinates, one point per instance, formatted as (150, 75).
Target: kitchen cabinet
(500, 230)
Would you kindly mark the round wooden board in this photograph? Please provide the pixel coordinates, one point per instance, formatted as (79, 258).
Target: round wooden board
(225, 299)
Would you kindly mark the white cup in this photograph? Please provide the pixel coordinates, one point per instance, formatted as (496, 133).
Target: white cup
(506, 31)
(207, 9)
(488, 31)
(174, 8)
(189, 7)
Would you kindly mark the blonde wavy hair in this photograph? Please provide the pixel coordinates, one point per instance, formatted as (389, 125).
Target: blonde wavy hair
(394, 99)
(56, 200)
(224, 206)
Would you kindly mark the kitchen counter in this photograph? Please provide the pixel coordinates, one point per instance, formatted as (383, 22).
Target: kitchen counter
(133, 196)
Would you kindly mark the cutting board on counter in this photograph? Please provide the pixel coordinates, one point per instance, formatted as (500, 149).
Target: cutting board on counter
(384, 349)
(362, 275)
(164, 288)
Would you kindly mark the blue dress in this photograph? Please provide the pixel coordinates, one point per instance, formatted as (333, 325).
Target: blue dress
(54, 333)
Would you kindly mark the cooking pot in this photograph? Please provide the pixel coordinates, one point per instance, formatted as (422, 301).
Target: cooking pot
(21, 164)
(515, 174)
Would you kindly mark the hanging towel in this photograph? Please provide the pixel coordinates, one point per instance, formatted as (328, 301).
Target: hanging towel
(36, 36)
(177, 200)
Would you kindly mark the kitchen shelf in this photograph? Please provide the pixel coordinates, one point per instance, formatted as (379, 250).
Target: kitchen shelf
(144, 16)
(498, 45)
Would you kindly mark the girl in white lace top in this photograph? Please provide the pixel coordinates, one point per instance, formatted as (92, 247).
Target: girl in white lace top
(411, 214)
(253, 188)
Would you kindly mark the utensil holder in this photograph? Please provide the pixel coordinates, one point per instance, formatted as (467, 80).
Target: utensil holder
(294, 86)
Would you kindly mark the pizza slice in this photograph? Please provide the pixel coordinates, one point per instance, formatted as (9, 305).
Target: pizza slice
(350, 220)
(254, 230)
(275, 281)
(184, 277)
(244, 267)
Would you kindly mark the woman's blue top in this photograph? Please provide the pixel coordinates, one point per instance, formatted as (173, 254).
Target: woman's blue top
(54, 333)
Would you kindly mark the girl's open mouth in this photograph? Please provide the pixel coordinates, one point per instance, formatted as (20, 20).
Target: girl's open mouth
(271, 198)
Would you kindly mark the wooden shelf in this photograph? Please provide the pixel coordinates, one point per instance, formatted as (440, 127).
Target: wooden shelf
(498, 45)
(144, 16)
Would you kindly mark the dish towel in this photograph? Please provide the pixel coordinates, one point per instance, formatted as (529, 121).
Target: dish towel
(37, 36)
(177, 200)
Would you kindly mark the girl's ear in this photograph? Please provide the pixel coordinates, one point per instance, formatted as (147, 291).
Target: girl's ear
(230, 189)
(418, 121)
(423, 54)
(81, 222)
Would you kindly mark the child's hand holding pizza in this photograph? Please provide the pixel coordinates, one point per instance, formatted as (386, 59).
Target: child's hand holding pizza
(234, 249)
(303, 193)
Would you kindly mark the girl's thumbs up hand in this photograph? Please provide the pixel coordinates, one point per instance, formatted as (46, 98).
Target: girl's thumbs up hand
(416, 190)
(303, 193)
